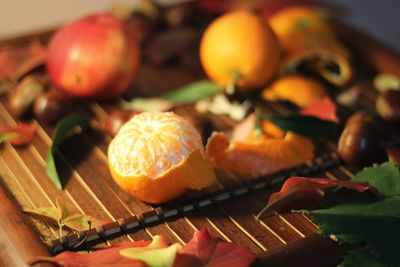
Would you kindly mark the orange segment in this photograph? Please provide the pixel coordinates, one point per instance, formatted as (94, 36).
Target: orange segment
(243, 43)
(260, 155)
(157, 156)
(299, 90)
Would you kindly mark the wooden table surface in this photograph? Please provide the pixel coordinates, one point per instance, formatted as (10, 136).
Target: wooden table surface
(280, 239)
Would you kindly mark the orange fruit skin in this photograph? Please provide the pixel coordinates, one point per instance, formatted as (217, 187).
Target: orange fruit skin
(195, 173)
(301, 28)
(157, 156)
(259, 156)
(241, 42)
(299, 90)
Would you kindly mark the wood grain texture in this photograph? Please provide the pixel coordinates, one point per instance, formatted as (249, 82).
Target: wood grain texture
(282, 239)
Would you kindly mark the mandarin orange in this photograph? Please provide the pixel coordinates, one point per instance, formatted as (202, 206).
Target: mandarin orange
(157, 156)
(239, 46)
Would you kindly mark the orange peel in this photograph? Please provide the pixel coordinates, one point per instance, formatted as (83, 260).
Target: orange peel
(258, 156)
(299, 90)
(306, 36)
(157, 156)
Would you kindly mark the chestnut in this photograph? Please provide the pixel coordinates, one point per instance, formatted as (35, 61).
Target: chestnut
(22, 97)
(115, 121)
(361, 142)
(51, 106)
(388, 105)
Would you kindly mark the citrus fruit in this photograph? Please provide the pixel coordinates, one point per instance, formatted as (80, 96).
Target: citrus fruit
(305, 35)
(295, 25)
(259, 155)
(239, 46)
(299, 90)
(157, 156)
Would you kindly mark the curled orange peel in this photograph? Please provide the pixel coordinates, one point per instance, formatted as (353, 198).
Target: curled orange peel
(258, 156)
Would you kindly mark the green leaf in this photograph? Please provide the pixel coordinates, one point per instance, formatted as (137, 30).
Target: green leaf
(304, 125)
(153, 255)
(361, 257)
(386, 178)
(62, 129)
(364, 221)
(193, 92)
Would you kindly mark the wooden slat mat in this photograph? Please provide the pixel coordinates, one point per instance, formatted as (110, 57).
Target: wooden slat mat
(228, 208)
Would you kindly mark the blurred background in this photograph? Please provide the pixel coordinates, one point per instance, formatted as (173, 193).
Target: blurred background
(378, 18)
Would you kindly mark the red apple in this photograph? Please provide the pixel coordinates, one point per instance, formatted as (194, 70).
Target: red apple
(95, 57)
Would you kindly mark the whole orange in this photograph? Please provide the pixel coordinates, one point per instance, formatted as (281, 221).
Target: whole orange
(157, 156)
(240, 44)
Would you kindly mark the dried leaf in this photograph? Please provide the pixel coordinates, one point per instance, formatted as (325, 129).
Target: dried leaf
(324, 109)
(154, 255)
(304, 125)
(147, 104)
(19, 135)
(5, 86)
(349, 97)
(63, 215)
(300, 185)
(15, 62)
(62, 129)
(386, 81)
(204, 250)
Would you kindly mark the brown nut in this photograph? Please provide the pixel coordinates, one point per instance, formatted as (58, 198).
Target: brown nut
(361, 117)
(388, 105)
(51, 106)
(21, 99)
(116, 119)
(141, 25)
(179, 15)
(361, 142)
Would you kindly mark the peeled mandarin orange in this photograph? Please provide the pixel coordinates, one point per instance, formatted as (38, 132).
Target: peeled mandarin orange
(297, 89)
(242, 44)
(258, 155)
(157, 156)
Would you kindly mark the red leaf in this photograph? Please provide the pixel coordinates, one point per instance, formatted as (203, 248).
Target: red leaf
(204, 250)
(299, 185)
(105, 257)
(19, 135)
(15, 62)
(324, 109)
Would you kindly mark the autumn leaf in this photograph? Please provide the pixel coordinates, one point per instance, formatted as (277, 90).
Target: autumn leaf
(204, 250)
(63, 216)
(19, 135)
(156, 254)
(110, 257)
(324, 109)
(15, 62)
(374, 223)
(300, 185)
(62, 129)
